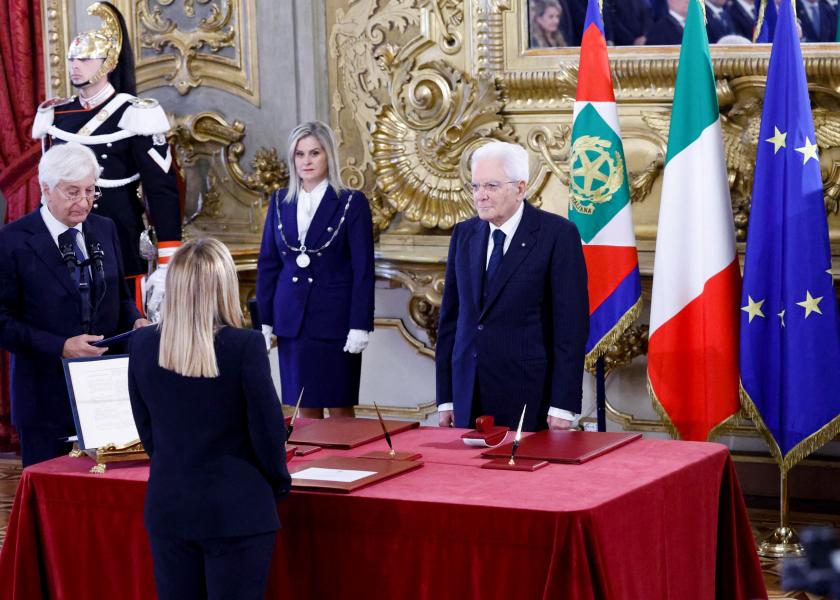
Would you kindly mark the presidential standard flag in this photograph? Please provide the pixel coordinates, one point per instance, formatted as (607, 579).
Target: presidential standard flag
(693, 346)
(790, 332)
(600, 196)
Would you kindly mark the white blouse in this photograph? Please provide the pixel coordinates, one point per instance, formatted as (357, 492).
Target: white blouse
(307, 204)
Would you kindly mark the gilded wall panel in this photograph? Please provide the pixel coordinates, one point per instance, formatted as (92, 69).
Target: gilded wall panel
(188, 43)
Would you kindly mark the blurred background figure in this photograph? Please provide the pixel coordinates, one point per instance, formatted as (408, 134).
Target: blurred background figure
(818, 20)
(718, 21)
(627, 21)
(668, 30)
(315, 278)
(546, 19)
(743, 14)
(210, 420)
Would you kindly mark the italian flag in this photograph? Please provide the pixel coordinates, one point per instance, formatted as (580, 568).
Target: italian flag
(600, 196)
(692, 352)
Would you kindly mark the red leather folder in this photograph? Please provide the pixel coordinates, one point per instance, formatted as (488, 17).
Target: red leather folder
(574, 447)
(337, 432)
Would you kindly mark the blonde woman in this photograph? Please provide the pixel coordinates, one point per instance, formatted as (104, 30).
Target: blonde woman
(211, 422)
(315, 278)
(546, 17)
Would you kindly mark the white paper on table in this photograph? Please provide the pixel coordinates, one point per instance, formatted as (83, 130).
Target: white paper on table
(337, 475)
(100, 393)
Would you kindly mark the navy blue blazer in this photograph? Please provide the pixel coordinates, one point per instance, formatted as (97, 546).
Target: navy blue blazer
(334, 294)
(526, 341)
(40, 307)
(217, 445)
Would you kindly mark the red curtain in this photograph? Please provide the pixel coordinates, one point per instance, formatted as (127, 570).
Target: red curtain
(21, 91)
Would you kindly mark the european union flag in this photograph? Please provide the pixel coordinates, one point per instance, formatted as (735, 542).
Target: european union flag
(790, 330)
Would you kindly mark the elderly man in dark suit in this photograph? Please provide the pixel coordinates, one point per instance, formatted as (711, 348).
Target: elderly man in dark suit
(514, 317)
(61, 288)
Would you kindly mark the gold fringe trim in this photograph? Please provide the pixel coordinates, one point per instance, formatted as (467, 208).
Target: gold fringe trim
(612, 336)
(672, 430)
(803, 449)
(663, 414)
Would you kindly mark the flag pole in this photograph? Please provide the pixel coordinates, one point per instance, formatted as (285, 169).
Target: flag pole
(784, 541)
(600, 394)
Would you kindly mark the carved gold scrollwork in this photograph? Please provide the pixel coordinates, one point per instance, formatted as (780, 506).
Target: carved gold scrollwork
(420, 143)
(214, 32)
(425, 282)
(223, 199)
(189, 57)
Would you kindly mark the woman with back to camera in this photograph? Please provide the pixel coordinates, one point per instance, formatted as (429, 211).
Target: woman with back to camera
(210, 420)
(315, 278)
(546, 19)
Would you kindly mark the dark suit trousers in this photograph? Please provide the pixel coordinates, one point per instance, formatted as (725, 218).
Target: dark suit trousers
(232, 568)
(41, 443)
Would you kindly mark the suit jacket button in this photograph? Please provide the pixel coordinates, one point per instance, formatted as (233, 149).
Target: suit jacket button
(309, 279)
(294, 279)
(475, 354)
(481, 326)
(329, 229)
(284, 253)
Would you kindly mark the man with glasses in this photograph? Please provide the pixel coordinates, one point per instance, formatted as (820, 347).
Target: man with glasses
(61, 288)
(515, 314)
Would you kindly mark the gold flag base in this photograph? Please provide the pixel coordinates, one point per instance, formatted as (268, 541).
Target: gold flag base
(782, 543)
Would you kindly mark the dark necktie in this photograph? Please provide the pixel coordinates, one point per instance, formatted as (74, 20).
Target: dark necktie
(82, 273)
(496, 255)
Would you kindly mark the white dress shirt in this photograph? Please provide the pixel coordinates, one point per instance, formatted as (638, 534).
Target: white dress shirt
(56, 228)
(678, 18)
(307, 204)
(509, 228)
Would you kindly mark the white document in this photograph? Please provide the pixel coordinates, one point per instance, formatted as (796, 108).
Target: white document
(100, 391)
(338, 475)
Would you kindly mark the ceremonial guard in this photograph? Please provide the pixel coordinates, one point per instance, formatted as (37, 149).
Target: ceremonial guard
(127, 134)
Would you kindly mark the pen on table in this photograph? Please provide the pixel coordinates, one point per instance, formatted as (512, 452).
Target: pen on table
(385, 431)
(294, 415)
(517, 438)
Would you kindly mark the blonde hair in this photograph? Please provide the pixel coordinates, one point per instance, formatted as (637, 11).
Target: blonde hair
(202, 295)
(325, 136)
(540, 38)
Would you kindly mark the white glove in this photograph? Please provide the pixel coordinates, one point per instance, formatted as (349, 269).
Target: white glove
(155, 288)
(357, 340)
(267, 331)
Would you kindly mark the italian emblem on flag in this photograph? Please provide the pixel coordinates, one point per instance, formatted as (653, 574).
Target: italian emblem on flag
(600, 196)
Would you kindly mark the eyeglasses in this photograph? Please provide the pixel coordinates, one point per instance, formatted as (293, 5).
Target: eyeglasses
(76, 194)
(491, 187)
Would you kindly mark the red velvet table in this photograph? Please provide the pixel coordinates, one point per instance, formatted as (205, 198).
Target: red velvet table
(654, 519)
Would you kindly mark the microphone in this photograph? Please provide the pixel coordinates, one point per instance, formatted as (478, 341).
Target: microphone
(96, 253)
(68, 254)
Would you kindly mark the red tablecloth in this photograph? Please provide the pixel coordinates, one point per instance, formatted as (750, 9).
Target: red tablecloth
(651, 520)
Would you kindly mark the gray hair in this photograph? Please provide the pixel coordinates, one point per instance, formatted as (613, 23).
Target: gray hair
(514, 158)
(325, 136)
(67, 162)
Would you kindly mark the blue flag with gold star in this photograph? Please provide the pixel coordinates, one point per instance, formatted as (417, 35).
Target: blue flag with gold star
(790, 330)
